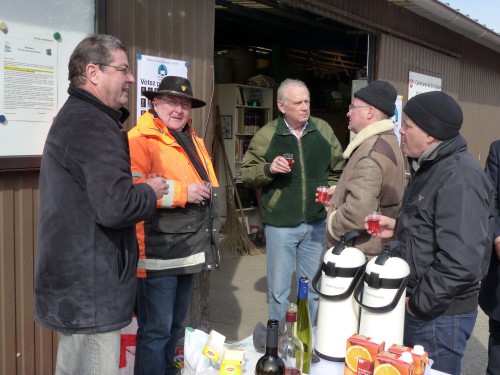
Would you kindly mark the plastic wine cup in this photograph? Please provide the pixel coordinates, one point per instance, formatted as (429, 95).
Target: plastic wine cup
(323, 194)
(289, 159)
(374, 221)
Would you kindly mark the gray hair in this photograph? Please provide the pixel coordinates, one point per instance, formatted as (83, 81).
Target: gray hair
(94, 48)
(281, 94)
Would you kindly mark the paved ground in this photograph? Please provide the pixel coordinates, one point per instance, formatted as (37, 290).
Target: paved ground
(238, 301)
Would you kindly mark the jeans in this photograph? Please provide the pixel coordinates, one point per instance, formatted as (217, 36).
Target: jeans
(493, 348)
(444, 338)
(303, 246)
(162, 305)
(88, 354)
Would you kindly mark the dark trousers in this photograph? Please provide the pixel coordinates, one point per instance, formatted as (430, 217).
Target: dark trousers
(494, 348)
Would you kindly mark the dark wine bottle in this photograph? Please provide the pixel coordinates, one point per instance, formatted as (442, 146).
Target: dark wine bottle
(304, 327)
(270, 363)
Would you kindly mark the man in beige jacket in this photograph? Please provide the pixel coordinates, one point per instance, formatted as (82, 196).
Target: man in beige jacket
(374, 177)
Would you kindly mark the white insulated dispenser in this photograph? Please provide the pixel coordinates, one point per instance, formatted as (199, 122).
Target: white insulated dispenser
(383, 298)
(338, 312)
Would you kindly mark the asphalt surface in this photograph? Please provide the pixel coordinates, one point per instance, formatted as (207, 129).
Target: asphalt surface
(238, 301)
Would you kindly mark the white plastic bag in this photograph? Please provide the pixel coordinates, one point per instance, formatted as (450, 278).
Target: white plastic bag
(195, 363)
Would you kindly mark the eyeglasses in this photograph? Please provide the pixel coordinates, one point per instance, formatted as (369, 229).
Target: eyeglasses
(352, 107)
(184, 105)
(125, 69)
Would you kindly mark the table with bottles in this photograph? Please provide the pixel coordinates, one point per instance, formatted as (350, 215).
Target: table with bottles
(323, 367)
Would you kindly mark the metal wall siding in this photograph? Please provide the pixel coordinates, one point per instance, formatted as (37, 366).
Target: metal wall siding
(407, 42)
(25, 348)
(171, 29)
(473, 79)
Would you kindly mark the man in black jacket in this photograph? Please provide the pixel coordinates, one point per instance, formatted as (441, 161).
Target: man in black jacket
(446, 223)
(489, 297)
(85, 268)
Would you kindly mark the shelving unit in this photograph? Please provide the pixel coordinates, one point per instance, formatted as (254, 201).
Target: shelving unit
(243, 110)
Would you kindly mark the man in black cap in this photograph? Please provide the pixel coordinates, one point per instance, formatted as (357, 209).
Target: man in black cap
(182, 238)
(446, 223)
(374, 177)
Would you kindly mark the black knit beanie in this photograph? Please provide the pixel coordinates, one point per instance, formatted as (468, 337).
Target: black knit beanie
(380, 94)
(435, 112)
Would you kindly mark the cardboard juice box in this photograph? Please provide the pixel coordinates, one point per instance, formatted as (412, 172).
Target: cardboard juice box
(420, 358)
(365, 367)
(361, 347)
(232, 362)
(388, 363)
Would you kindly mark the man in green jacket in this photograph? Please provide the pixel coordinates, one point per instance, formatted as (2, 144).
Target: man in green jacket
(294, 222)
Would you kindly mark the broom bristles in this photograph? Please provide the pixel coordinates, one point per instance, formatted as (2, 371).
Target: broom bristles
(235, 239)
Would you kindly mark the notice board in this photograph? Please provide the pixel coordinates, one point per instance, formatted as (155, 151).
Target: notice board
(36, 39)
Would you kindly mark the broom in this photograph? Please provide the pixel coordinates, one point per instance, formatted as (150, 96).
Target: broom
(235, 239)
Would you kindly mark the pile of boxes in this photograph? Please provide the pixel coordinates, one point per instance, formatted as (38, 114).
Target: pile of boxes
(364, 356)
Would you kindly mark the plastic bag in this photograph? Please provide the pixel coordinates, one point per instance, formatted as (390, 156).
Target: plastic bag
(195, 363)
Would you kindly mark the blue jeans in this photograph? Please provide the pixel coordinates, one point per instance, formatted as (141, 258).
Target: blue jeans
(444, 338)
(90, 354)
(302, 246)
(162, 305)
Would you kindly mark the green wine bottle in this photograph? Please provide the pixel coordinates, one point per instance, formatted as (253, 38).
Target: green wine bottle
(270, 363)
(304, 326)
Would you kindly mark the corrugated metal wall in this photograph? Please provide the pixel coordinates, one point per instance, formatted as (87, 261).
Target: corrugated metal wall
(25, 348)
(181, 30)
(473, 79)
(405, 42)
(178, 29)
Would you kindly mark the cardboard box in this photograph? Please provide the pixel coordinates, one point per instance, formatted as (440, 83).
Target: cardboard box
(365, 367)
(360, 347)
(389, 363)
(232, 362)
(215, 346)
(419, 361)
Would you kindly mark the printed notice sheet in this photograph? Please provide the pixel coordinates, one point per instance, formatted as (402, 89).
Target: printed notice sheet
(29, 78)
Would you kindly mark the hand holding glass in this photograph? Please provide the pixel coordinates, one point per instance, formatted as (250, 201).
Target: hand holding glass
(374, 221)
(289, 159)
(323, 194)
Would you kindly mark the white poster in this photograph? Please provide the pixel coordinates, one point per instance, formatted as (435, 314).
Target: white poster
(150, 71)
(420, 83)
(397, 118)
(29, 78)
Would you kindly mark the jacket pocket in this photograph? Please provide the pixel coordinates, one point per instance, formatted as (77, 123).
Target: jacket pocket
(274, 199)
(122, 260)
(174, 235)
(175, 224)
(126, 261)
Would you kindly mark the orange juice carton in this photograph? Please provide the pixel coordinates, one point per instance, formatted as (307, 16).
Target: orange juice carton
(388, 363)
(365, 367)
(360, 347)
(420, 356)
(214, 347)
(232, 362)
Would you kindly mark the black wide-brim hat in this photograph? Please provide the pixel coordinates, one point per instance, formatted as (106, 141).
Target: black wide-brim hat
(175, 86)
